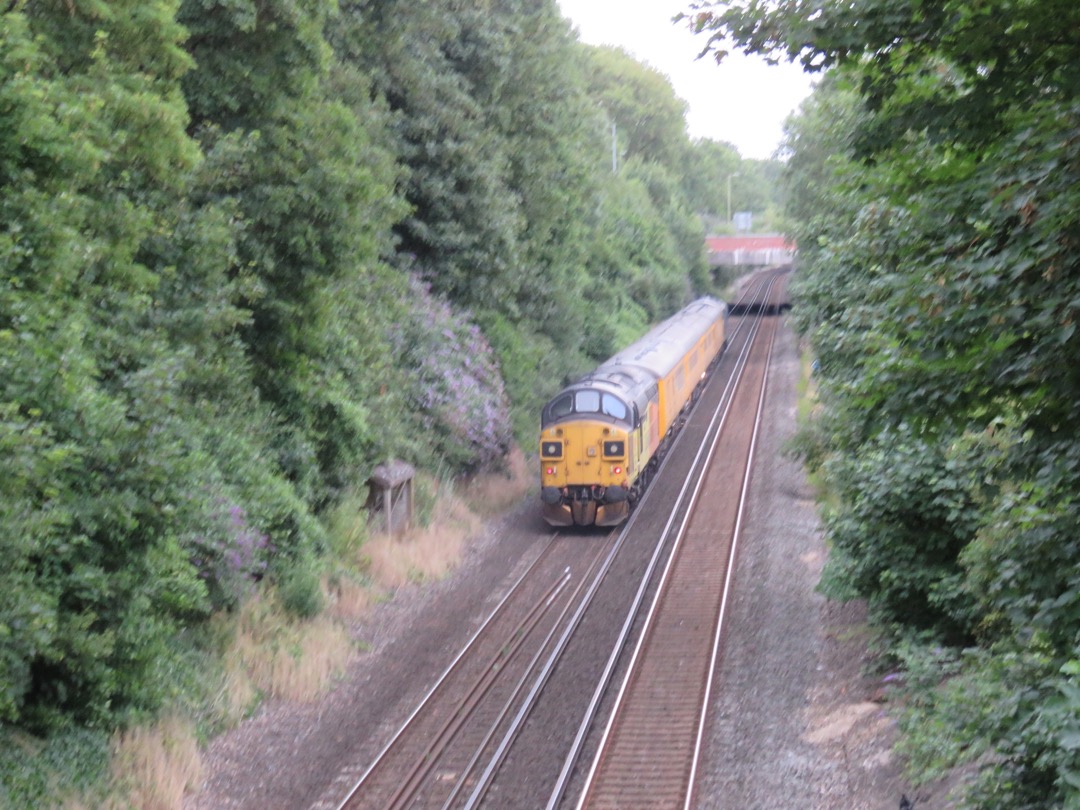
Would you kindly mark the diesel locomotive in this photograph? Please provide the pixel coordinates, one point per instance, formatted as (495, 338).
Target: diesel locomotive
(601, 437)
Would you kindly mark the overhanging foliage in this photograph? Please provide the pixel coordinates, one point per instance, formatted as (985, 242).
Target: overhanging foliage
(934, 176)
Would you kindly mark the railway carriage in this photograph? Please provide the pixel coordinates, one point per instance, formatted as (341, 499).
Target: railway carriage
(601, 437)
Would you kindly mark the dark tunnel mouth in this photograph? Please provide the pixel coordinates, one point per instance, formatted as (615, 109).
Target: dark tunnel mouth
(758, 309)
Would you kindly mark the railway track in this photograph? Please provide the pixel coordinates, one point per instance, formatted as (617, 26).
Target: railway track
(428, 761)
(651, 747)
(520, 713)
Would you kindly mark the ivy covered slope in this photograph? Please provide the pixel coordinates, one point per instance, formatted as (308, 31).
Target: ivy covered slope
(935, 176)
(250, 250)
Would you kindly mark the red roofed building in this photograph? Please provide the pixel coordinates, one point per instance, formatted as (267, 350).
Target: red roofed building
(757, 250)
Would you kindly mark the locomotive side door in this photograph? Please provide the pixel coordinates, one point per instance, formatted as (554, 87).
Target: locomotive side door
(647, 433)
(638, 442)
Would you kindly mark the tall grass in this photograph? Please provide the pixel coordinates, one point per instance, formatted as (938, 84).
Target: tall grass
(423, 552)
(155, 765)
(285, 657)
(265, 651)
(451, 513)
(491, 493)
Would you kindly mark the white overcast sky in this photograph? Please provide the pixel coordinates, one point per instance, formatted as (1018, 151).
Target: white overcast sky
(743, 101)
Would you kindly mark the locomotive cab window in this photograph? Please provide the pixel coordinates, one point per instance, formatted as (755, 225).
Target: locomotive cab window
(563, 406)
(587, 402)
(615, 407)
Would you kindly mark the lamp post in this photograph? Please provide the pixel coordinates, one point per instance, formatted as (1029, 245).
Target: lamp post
(614, 151)
(735, 174)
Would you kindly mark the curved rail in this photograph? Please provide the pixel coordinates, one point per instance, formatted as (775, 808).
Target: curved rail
(422, 766)
(438, 764)
(472, 716)
(681, 507)
(666, 729)
(484, 628)
(485, 780)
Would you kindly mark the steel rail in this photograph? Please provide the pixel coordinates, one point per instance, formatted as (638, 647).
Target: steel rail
(755, 324)
(737, 533)
(447, 739)
(495, 613)
(463, 779)
(488, 775)
(414, 780)
(716, 425)
(428, 758)
(511, 733)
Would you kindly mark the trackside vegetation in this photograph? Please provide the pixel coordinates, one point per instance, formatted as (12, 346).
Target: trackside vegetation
(934, 177)
(248, 251)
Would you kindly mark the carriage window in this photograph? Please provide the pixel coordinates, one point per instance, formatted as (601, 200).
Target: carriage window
(587, 401)
(613, 406)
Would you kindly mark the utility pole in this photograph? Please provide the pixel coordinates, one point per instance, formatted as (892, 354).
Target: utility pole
(736, 174)
(614, 151)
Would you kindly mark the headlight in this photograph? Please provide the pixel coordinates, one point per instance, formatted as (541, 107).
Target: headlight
(615, 449)
(551, 449)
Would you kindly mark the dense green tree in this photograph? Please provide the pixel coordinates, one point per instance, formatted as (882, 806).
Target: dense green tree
(543, 110)
(650, 119)
(450, 79)
(712, 169)
(540, 106)
(248, 249)
(494, 114)
(660, 236)
(934, 177)
(950, 68)
(96, 441)
(705, 179)
(312, 188)
(250, 56)
(462, 233)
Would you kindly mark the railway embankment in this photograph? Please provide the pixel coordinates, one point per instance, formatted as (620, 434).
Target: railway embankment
(796, 720)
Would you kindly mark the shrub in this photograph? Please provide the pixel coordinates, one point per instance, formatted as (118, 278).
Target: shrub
(231, 558)
(455, 384)
(300, 589)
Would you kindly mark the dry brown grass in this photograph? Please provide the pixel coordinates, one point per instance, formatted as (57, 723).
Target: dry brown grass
(155, 765)
(285, 657)
(348, 600)
(270, 653)
(238, 694)
(490, 493)
(423, 553)
(430, 552)
(347, 524)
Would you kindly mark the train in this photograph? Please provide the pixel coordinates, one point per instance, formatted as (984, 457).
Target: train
(601, 437)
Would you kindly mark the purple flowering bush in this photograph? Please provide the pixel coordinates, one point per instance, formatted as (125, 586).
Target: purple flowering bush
(231, 556)
(453, 384)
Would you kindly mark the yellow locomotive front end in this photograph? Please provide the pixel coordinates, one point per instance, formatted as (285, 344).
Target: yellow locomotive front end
(602, 438)
(584, 479)
(586, 459)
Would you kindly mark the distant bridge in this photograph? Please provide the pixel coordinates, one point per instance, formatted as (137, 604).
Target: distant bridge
(761, 250)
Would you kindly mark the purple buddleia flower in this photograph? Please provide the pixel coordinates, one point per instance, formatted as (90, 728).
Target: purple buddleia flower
(453, 381)
(232, 556)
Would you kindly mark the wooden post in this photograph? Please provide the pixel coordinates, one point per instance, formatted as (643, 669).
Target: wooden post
(391, 496)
